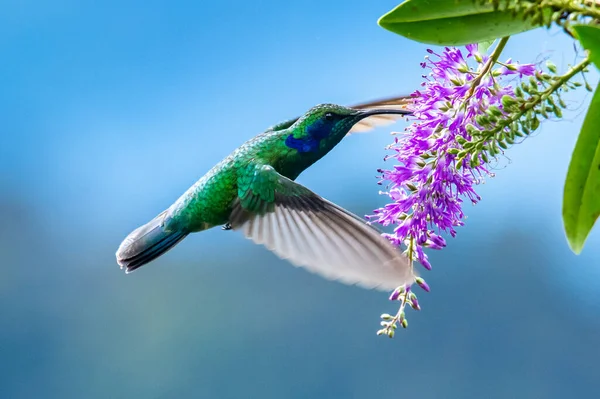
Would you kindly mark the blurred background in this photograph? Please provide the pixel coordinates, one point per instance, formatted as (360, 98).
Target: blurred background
(110, 110)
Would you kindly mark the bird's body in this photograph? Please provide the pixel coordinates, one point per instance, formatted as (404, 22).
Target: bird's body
(253, 190)
(209, 202)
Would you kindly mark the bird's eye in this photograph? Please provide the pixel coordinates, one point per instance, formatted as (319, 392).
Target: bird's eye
(329, 116)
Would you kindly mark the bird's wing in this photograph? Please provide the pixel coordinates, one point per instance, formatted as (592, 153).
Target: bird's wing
(309, 231)
(368, 123)
(375, 121)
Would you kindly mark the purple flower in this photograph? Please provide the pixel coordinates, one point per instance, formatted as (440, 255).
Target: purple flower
(520, 69)
(427, 185)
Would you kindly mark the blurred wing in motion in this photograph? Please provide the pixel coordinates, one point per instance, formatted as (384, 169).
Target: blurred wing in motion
(369, 123)
(309, 231)
(375, 121)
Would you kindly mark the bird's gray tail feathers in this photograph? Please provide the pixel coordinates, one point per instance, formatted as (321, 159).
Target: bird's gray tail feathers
(147, 243)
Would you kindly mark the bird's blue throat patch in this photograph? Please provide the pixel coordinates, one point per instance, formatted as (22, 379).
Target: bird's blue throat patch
(315, 133)
(308, 144)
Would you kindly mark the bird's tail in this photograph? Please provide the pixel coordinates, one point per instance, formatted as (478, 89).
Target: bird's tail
(147, 243)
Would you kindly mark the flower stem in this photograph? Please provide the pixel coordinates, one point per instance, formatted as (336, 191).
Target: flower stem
(536, 99)
(487, 67)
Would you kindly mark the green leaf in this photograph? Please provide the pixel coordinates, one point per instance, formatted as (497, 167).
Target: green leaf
(581, 201)
(484, 46)
(589, 37)
(452, 22)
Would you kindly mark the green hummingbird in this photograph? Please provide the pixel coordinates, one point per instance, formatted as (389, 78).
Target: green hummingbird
(253, 191)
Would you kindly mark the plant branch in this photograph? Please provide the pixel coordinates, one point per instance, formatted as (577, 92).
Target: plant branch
(588, 7)
(487, 67)
(535, 99)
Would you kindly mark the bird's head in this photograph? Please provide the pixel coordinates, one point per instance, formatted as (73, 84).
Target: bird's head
(329, 123)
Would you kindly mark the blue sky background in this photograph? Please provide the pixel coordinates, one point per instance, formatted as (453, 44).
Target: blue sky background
(110, 110)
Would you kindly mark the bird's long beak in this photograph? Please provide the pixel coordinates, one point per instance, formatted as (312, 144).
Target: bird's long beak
(381, 116)
(364, 113)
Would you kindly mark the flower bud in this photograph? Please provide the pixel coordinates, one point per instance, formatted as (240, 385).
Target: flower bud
(482, 120)
(415, 304)
(437, 240)
(425, 263)
(495, 110)
(472, 130)
(518, 92)
(533, 82)
(507, 101)
(557, 112)
(562, 103)
(421, 283)
(397, 292)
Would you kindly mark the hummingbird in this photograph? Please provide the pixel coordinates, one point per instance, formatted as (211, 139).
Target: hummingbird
(253, 190)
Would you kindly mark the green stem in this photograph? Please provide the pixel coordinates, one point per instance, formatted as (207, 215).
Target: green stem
(403, 297)
(487, 67)
(536, 99)
(588, 8)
